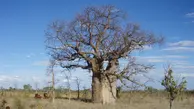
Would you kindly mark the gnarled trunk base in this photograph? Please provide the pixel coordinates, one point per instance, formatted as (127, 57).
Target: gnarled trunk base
(109, 90)
(103, 89)
(96, 88)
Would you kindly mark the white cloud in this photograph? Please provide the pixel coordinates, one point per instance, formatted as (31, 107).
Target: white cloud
(41, 63)
(186, 43)
(175, 56)
(187, 74)
(71, 79)
(159, 59)
(146, 47)
(36, 79)
(181, 46)
(42, 53)
(30, 55)
(164, 57)
(155, 60)
(6, 66)
(189, 49)
(184, 66)
(5, 78)
(190, 14)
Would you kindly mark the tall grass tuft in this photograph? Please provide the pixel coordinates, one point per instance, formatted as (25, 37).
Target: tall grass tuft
(18, 104)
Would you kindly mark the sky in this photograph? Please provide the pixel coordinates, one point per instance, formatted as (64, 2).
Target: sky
(24, 59)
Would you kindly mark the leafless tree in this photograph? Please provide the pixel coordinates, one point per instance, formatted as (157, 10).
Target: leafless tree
(15, 86)
(16, 78)
(36, 86)
(68, 78)
(50, 70)
(78, 83)
(99, 35)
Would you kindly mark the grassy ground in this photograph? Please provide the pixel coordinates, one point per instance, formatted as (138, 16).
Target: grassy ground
(133, 100)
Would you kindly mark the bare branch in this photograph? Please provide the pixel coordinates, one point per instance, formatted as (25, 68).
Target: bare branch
(97, 35)
(75, 66)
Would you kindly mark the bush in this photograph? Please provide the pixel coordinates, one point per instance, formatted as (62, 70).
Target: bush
(173, 88)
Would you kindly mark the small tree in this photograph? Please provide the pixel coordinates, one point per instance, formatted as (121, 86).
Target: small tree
(36, 86)
(78, 83)
(47, 88)
(68, 77)
(10, 88)
(50, 71)
(85, 93)
(151, 89)
(119, 90)
(27, 87)
(173, 87)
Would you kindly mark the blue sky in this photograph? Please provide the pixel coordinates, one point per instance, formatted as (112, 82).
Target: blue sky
(24, 58)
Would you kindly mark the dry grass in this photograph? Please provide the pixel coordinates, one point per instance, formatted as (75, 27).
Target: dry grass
(133, 100)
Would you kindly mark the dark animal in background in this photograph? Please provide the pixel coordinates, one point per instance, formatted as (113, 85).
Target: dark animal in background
(37, 96)
(7, 107)
(46, 96)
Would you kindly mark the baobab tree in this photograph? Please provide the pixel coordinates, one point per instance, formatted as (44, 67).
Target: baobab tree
(97, 36)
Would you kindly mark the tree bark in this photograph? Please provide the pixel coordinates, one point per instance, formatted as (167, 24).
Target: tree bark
(103, 89)
(104, 82)
(109, 90)
(53, 87)
(109, 82)
(96, 88)
(78, 92)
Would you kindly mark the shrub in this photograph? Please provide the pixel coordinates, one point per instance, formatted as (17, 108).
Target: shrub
(174, 88)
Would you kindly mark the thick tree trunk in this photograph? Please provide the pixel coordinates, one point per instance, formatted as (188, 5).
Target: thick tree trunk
(96, 88)
(103, 89)
(109, 90)
(104, 83)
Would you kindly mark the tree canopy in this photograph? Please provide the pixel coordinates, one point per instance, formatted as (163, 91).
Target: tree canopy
(96, 36)
(27, 87)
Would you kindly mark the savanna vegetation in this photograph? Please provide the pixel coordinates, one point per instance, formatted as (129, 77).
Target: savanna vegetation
(96, 40)
(143, 99)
